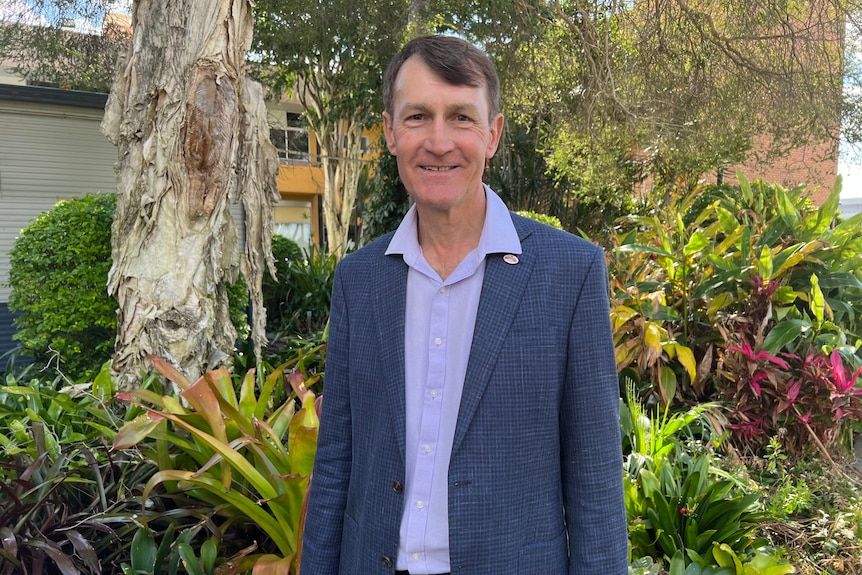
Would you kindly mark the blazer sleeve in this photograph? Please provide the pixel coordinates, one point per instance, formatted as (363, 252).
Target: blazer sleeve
(590, 435)
(321, 543)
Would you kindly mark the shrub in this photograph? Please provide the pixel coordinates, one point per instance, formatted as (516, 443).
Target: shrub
(755, 301)
(311, 280)
(303, 304)
(276, 291)
(552, 221)
(58, 272)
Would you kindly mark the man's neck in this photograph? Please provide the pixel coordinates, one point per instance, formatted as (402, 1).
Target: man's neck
(446, 237)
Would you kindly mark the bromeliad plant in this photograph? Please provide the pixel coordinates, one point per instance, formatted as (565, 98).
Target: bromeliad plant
(249, 460)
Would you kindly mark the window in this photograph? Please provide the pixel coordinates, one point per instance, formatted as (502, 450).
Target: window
(363, 144)
(291, 140)
(292, 219)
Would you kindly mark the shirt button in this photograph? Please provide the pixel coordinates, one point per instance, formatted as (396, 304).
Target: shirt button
(438, 341)
(434, 393)
(416, 557)
(427, 449)
(442, 289)
(420, 504)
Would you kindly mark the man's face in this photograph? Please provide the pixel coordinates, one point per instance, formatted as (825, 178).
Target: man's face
(441, 136)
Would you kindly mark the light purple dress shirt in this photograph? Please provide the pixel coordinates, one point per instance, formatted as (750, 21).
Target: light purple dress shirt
(439, 323)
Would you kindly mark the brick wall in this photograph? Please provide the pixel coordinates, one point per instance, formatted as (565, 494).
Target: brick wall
(815, 165)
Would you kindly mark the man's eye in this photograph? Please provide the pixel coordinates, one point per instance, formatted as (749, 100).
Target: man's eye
(462, 118)
(416, 117)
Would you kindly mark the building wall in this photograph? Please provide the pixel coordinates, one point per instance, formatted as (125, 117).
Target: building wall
(814, 165)
(48, 153)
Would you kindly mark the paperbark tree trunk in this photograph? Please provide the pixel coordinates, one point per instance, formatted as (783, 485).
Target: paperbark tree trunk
(192, 136)
(341, 147)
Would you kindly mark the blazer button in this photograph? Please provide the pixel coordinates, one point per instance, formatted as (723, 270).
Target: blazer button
(397, 487)
(387, 561)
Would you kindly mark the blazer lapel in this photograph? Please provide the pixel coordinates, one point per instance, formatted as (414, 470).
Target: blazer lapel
(391, 303)
(502, 290)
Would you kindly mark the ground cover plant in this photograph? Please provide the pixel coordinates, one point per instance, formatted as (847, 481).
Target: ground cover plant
(67, 504)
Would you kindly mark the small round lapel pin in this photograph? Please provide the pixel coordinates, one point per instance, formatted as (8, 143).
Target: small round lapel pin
(511, 259)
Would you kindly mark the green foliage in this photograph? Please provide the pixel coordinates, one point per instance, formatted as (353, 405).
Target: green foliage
(552, 221)
(48, 55)
(170, 555)
(657, 437)
(753, 301)
(298, 302)
(65, 502)
(237, 297)
(276, 291)
(786, 368)
(816, 508)
(764, 562)
(247, 457)
(383, 198)
(311, 279)
(531, 178)
(58, 273)
(65, 417)
(678, 502)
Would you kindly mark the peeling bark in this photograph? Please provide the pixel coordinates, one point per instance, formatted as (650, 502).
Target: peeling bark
(341, 170)
(189, 129)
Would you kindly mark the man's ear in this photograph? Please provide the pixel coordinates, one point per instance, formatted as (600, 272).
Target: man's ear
(496, 132)
(387, 133)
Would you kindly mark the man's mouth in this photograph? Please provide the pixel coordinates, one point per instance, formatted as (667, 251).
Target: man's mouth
(438, 168)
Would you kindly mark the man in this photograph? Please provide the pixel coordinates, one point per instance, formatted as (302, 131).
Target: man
(470, 420)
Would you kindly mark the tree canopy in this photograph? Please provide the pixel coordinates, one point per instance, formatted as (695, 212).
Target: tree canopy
(331, 56)
(73, 45)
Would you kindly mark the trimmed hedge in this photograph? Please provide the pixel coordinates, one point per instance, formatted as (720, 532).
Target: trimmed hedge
(59, 269)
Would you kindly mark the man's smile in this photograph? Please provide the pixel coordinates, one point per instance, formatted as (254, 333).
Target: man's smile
(438, 168)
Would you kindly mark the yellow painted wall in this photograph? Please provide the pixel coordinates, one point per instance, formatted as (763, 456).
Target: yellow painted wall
(303, 181)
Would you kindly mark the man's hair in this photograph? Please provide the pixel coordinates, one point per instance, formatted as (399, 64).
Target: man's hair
(455, 61)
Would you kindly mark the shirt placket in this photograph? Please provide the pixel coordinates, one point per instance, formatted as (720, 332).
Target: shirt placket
(429, 428)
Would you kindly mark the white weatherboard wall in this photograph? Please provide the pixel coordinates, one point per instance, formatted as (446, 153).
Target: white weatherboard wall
(48, 153)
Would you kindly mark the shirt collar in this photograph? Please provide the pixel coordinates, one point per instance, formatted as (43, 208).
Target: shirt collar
(498, 233)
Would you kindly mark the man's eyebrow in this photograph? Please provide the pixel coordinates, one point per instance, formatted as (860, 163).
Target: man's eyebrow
(466, 108)
(413, 108)
(457, 108)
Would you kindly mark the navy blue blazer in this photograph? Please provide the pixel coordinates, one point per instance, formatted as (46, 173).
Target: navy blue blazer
(535, 477)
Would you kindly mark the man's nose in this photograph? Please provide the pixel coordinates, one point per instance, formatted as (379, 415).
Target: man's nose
(439, 140)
